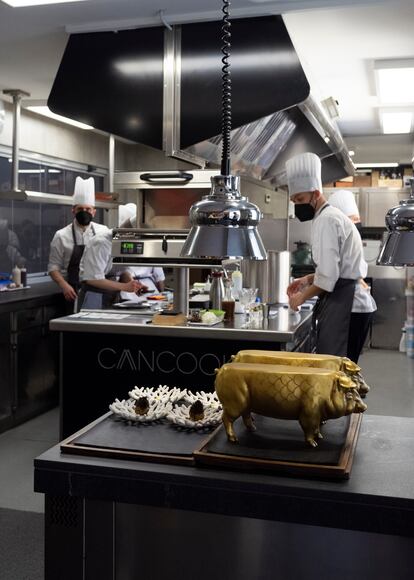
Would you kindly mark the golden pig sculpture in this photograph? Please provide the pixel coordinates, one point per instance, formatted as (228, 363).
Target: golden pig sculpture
(285, 392)
(303, 359)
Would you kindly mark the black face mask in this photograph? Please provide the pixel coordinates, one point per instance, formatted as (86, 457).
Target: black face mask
(359, 228)
(304, 211)
(83, 217)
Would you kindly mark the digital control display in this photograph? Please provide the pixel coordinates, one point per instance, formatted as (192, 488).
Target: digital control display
(132, 248)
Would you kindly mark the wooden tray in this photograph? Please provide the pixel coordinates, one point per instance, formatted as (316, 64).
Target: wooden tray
(286, 452)
(159, 442)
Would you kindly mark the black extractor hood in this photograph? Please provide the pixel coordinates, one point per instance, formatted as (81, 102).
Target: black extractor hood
(162, 88)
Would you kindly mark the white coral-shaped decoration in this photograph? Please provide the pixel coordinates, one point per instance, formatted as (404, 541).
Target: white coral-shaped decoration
(161, 393)
(180, 416)
(126, 409)
(208, 399)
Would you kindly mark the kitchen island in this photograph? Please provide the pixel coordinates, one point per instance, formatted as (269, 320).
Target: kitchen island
(111, 518)
(103, 354)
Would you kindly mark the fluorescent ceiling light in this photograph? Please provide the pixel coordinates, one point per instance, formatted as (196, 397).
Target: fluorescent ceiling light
(38, 171)
(396, 122)
(43, 110)
(21, 3)
(395, 81)
(369, 165)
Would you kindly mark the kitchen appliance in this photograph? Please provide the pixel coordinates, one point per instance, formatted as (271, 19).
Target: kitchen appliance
(224, 223)
(398, 249)
(270, 277)
(133, 247)
(137, 247)
(174, 86)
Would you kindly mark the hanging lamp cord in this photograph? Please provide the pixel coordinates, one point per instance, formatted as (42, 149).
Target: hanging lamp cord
(226, 89)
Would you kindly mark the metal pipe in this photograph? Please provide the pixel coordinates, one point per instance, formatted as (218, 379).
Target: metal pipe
(16, 95)
(111, 163)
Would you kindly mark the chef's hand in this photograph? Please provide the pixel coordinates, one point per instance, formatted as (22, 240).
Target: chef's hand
(296, 300)
(296, 285)
(132, 286)
(69, 292)
(142, 288)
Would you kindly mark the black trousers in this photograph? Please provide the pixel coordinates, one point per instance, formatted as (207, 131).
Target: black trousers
(358, 331)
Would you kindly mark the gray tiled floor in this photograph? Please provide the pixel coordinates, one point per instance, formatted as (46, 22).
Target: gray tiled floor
(18, 448)
(389, 373)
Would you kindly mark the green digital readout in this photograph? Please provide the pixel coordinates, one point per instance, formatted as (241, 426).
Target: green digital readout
(132, 247)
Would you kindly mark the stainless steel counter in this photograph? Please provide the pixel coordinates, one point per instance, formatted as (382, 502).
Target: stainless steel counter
(281, 326)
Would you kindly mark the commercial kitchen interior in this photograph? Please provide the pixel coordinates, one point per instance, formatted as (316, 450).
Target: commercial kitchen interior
(337, 44)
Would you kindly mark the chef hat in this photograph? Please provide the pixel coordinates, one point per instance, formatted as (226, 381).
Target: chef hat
(84, 193)
(345, 201)
(303, 173)
(126, 212)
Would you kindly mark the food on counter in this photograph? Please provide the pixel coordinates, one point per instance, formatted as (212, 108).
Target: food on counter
(196, 411)
(156, 297)
(308, 395)
(206, 316)
(142, 406)
(302, 359)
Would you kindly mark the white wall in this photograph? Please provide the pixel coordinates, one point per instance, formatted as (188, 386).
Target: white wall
(47, 137)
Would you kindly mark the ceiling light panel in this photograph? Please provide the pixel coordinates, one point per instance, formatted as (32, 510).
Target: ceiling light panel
(370, 165)
(395, 81)
(22, 3)
(396, 122)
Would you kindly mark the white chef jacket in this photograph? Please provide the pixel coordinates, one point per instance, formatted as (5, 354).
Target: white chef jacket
(61, 247)
(336, 248)
(96, 261)
(147, 272)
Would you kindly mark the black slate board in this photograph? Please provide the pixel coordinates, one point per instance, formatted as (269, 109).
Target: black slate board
(279, 446)
(158, 441)
(280, 440)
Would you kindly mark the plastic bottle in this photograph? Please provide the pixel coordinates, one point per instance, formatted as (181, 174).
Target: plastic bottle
(16, 275)
(237, 281)
(23, 276)
(217, 290)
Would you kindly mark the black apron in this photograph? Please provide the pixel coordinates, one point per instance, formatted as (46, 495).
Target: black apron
(331, 318)
(93, 298)
(74, 262)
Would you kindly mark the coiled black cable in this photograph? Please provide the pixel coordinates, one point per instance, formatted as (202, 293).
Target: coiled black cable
(226, 90)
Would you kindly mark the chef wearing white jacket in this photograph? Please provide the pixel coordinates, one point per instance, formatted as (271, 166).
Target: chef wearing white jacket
(336, 251)
(150, 276)
(68, 244)
(363, 306)
(100, 286)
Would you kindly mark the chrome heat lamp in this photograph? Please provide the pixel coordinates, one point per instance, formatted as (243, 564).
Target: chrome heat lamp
(223, 223)
(398, 249)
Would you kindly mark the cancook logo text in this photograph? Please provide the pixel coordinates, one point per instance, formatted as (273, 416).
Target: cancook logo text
(165, 361)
